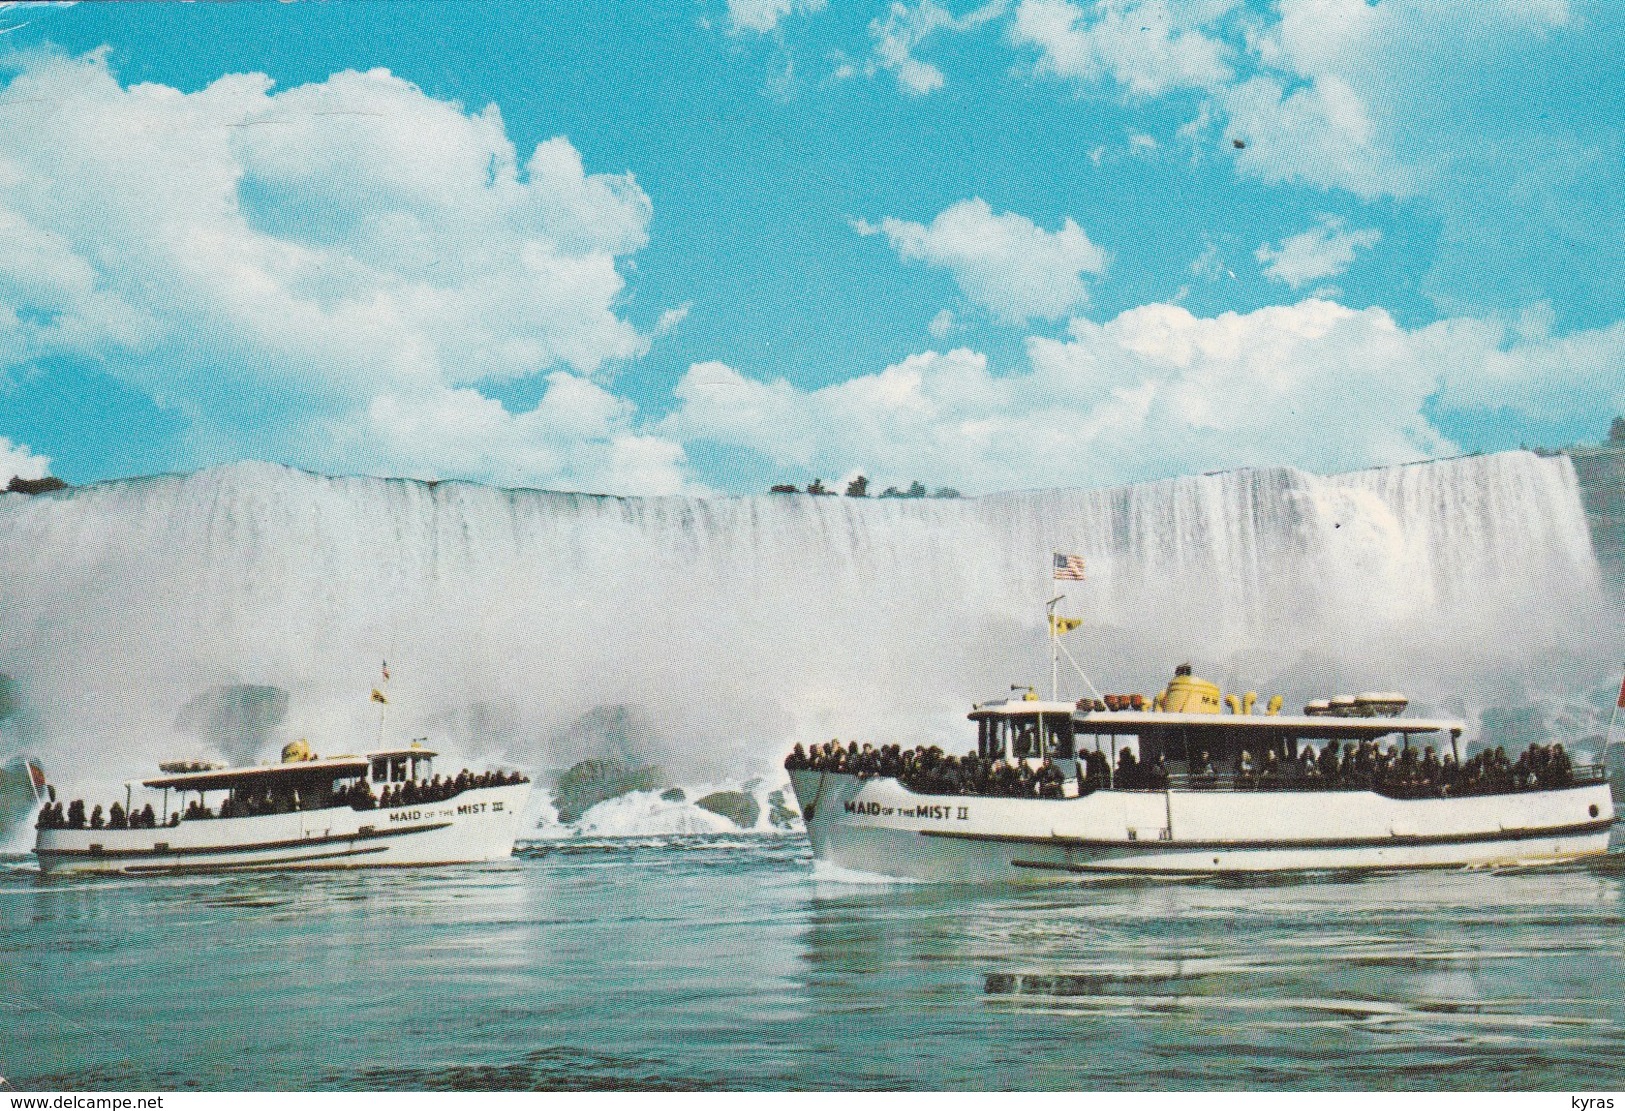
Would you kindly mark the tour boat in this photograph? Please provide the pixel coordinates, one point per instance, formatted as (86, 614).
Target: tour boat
(384, 807)
(1210, 787)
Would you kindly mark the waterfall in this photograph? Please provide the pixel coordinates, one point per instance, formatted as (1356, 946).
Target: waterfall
(134, 614)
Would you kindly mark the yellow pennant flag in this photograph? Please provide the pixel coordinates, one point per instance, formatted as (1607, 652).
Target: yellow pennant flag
(1059, 625)
(378, 696)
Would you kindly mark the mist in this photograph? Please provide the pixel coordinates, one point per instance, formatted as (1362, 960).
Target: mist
(223, 613)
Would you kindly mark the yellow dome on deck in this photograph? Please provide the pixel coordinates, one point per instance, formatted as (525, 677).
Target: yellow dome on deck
(1187, 694)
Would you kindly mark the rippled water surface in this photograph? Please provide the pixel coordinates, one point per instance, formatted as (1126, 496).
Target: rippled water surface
(733, 963)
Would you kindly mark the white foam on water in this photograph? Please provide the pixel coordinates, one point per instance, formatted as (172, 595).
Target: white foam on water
(15, 861)
(825, 872)
(736, 627)
(645, 814)
(19, 838)
(653, 814)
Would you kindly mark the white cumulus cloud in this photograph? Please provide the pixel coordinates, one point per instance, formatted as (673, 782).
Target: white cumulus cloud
(762, 16)
(1378, 98)
(16, 461)
(1550, 381)
(1153, 392)
(1300, 90)
(1319, 133)
(286, 268)
(1145, 46)
(579, 436)
(1324, 251)
(906, 28)
(1005, 262)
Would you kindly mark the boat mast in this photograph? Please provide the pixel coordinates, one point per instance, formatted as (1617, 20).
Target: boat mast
(379, 697)
(1088, 682)
(1054, 649)
(1068, 568)
(1612, 717)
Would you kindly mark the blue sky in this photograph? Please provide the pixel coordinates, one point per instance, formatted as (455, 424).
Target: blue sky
(706, 245)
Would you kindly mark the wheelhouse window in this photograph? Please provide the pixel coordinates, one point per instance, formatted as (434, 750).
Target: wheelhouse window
(1004, 736)
(380, 769)
(1025, 737)
(397, 769)
(1058, 744)
(1025, 742)
(989, 745)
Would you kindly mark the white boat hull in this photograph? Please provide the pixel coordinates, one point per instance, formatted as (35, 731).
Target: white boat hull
(878, 826)
(476, 825)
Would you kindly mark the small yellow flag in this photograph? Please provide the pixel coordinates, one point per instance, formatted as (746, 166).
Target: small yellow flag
(378, 696)
(1059, 625)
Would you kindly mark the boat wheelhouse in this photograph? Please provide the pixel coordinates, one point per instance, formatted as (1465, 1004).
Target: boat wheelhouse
(385, 807)
(1177, 786)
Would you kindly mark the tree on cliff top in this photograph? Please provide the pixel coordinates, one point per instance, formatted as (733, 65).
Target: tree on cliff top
(21, 485)
(1616, 432)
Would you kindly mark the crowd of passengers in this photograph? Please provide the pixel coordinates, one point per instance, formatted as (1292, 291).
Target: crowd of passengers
(1404, 772)
(52, 816)
(413, 792)
(929, 770)
(247, 804)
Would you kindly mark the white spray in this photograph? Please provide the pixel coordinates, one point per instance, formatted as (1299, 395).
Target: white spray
(731, 628)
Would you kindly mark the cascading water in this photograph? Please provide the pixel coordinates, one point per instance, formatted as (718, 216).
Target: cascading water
(131, 612)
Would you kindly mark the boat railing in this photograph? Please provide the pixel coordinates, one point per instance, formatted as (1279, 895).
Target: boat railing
(1578, 776)
(51, 816)
(1392, 787)
(425, 793)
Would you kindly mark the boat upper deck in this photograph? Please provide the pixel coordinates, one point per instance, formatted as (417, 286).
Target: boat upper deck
(1301, 726)
(1182, 740)
(330, 767)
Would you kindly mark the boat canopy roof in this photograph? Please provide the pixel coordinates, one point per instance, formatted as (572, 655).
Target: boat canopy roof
(331, 767)
(1298, 725)
(413, 749)
(1012, 707)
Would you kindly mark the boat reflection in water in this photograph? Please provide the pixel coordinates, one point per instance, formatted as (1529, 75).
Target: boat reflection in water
(1309, 980)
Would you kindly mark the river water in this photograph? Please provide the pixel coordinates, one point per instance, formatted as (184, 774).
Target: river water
(735, 963)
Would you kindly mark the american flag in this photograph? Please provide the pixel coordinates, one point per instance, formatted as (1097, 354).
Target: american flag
(1069, 567)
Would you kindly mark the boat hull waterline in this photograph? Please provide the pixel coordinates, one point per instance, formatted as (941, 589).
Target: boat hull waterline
(877, 826)
(471, 827)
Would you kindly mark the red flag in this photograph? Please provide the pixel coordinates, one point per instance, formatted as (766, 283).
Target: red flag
(386, 670)
(1621, 702)
(36, 776)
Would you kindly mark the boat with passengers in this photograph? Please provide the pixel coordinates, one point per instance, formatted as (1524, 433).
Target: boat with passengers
(1195, 782)
(384, 807)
